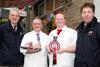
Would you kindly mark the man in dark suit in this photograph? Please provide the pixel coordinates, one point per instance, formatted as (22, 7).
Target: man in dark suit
(11, 34)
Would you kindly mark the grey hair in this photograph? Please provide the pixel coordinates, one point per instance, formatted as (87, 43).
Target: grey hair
(37, 18)
(14, 9)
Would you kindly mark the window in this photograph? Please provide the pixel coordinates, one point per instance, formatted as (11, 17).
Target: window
(49, 6)
(41, 9)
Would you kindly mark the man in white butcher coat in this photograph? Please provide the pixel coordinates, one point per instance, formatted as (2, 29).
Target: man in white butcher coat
(67, 39)
(33, 46)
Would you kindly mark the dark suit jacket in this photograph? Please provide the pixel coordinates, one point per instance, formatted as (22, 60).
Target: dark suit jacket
(10, 44)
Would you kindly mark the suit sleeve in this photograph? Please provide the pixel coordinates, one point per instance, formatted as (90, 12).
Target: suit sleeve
(1, 36)
(98, 32)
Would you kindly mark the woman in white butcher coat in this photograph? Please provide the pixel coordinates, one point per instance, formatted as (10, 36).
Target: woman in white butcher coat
(34, 47)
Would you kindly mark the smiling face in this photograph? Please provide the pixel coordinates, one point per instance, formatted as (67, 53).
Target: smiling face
(37, 25)
(87, 14)
(60, 20)
(14, 16)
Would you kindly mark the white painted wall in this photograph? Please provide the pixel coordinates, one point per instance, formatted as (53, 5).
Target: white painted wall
(97, 7)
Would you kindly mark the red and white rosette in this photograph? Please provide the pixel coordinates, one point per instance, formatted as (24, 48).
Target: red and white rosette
(54, 46)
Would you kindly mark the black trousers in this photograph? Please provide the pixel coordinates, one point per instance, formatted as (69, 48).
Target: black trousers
(11, 66)
(84, 64)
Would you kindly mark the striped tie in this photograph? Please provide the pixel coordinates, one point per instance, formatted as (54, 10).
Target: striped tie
(38, 37)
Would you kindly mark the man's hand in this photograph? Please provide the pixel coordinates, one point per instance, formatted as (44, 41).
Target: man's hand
(61, 50)
(37, 46)
(34, 48)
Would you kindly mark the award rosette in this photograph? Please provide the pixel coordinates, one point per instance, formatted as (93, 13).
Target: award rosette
(54, 46)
